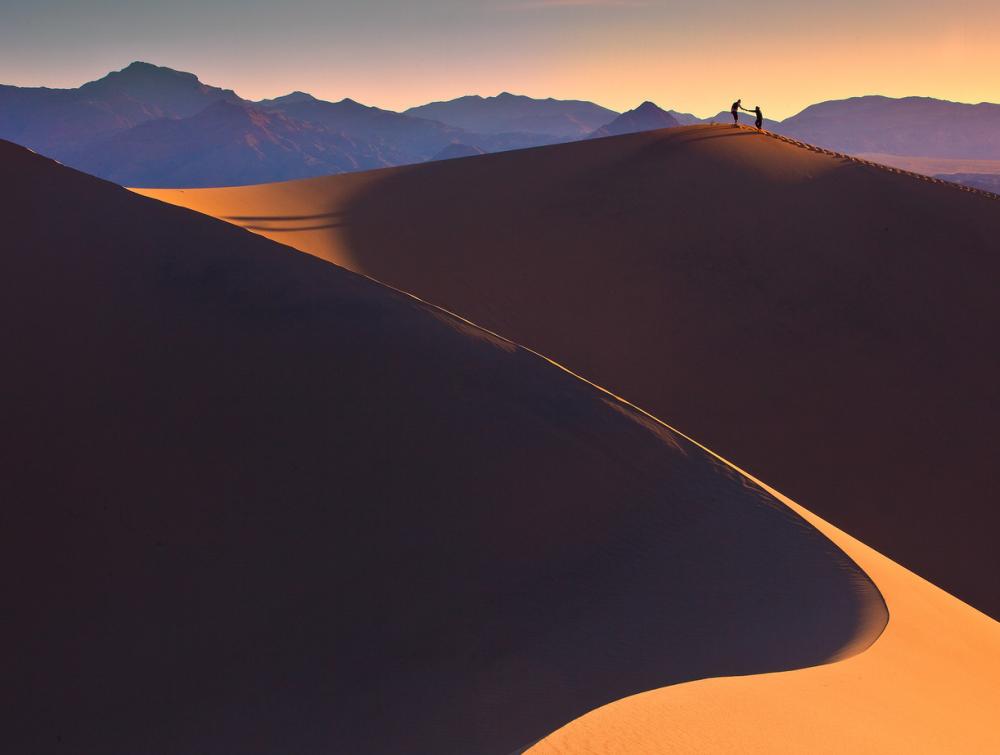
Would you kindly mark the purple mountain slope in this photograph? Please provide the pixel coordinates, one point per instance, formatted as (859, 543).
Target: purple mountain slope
(909, 126)
(228, 143)
(646, 117)
(57, 122)
(507, 113)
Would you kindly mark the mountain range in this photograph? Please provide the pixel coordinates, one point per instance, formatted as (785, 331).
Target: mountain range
(148, 125)
(908, 126)
(57, 122)
(516, 113)
(228, 143)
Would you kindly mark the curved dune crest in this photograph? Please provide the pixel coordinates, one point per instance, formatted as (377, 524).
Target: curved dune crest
(827, 323)
(927, 685)
(256, 503)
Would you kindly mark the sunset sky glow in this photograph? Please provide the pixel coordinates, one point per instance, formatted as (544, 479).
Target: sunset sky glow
(686, 56)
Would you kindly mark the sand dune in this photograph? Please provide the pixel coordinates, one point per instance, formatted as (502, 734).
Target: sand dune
(928, 685)
(255, 503)
(827, 323)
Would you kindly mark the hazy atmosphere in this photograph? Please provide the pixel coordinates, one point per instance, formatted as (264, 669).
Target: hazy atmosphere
(692, 57)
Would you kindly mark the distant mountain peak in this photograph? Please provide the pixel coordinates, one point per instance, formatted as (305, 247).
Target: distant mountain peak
(648, 107)
(507, 113)
(139, 65)
(162, 91)
(141, 71)
(289, 99)
(647, 117)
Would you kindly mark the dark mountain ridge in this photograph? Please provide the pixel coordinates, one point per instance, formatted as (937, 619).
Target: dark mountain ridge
(647, 117)
(58, 122)
(508, 112)
(227, 143)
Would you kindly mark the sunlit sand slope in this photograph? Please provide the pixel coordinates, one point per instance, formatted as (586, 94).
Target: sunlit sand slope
(829, 324)
(254, 503)
(928, 685)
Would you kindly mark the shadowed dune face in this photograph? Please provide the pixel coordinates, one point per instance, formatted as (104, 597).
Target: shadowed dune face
(826, 324)
(255, 503)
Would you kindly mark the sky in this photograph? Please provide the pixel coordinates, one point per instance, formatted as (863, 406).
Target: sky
(689, 56)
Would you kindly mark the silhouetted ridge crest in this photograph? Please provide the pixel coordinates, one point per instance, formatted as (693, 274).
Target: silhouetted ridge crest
(647, 117)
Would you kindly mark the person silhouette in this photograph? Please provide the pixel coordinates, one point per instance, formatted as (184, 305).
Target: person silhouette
(760, 117)
(737, 106)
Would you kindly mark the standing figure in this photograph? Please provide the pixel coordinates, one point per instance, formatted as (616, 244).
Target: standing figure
(737, 106)
(760, 117)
